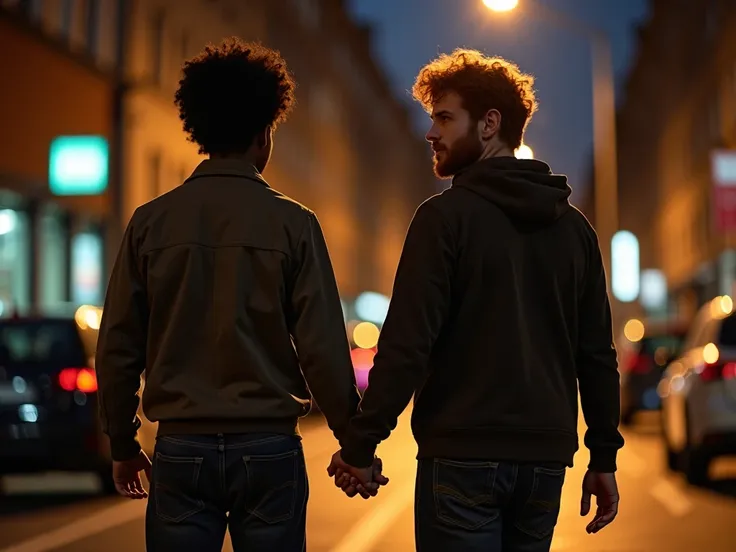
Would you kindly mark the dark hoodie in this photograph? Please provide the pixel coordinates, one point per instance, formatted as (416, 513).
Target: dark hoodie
(499, 312)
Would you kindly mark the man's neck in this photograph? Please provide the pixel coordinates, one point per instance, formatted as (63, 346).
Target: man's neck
(496, 150)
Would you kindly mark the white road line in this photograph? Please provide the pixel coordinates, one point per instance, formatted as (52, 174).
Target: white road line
(371, 527)
(111, 517)
(80, 529)
(671, 498)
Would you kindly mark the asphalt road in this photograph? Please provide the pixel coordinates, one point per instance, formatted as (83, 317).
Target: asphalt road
(658, 513)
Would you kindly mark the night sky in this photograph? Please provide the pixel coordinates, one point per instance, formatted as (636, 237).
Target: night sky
(408, 33)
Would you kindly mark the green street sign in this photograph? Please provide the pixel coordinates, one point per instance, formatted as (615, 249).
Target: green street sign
(78, 165)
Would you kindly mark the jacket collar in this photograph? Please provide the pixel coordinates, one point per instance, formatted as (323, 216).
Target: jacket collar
(228, 167)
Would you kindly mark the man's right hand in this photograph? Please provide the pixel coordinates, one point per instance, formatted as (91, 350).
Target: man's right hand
(603, 487)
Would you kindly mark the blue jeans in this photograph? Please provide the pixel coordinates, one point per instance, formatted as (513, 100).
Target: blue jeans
(253, 485)
(486, 506)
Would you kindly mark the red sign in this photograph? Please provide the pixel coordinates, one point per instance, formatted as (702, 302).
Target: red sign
(723, 170)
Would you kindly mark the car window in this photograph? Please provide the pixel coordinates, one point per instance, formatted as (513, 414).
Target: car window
(41, 341)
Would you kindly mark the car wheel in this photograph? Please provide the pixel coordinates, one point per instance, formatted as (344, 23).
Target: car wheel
(627, 418)
(672, 458)
(696, 466)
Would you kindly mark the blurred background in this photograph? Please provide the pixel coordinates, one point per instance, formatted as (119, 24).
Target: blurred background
(637, 107)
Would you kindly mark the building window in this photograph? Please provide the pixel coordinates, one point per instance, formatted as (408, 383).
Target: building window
(52, 258)
(67, 17)
(15, 269)
(87, 268)
(154, 178)
(93, 26)
(308, 12)
(157, 46)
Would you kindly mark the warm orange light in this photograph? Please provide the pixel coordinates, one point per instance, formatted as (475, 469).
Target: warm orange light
(362, 359)
(86, 381)
(501, 5)
(365, 335)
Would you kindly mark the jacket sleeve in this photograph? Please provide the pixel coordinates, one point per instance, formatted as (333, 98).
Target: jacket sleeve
(317, 327)
(121, 350)
(597, 367)
(419, 307)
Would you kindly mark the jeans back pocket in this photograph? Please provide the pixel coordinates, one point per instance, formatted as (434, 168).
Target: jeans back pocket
(538, 517)
(464, 493)
(176, 480)
(272, 485)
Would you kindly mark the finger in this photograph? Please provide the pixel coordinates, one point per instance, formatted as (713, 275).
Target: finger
(585, 503)
(341, 478)
(149, 473)
(601, 521)
(366, 491)
(380, 479)
(351, 491)
(331, 469)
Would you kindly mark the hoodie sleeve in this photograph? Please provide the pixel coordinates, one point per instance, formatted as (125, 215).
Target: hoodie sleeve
(419, 307)
(121, 350)
(597, 367)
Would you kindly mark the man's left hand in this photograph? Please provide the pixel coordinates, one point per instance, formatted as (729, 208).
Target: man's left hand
(127, 476)
(353, 481)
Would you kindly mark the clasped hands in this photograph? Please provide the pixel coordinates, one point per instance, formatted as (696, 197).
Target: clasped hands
(357, 481)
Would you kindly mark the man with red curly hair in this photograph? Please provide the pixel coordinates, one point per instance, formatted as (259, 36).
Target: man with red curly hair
(499, 313)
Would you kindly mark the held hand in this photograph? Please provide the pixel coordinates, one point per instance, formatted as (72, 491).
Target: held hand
(603, 487)
(363, 481)
(127, 476)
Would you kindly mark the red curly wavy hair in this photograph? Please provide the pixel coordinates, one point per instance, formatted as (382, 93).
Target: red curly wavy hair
(483, 83)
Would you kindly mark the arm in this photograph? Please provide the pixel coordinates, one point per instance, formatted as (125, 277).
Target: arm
(598, 368)
(318, 329)
(121, 351)
(418, 310)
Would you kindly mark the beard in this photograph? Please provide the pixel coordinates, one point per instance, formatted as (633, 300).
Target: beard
(465, 151)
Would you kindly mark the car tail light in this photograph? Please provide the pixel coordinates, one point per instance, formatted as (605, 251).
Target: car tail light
(78, 379)
(718, 371)
(640, 364)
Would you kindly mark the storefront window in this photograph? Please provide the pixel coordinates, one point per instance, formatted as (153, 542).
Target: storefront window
(52, 259)
(87, 261)
(14, 262)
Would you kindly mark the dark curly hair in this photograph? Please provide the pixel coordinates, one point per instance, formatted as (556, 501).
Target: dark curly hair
(230, 93)
(483, 83)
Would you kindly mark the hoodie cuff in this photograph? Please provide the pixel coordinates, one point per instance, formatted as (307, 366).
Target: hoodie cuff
(602, 460)
(357, 452)
(124, 448)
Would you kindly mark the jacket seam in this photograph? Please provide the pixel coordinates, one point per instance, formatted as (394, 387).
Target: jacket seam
(222, 246)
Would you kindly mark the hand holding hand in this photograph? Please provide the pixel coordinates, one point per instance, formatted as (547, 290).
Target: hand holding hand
(603, 487)
(353, 481)
(127, 476)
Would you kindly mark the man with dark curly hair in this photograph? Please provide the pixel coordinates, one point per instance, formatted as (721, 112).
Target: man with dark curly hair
(216, 284)
(499, 312)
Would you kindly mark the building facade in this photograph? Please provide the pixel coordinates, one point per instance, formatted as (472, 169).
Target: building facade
(59, 58)
(680, 107)
(347, 151)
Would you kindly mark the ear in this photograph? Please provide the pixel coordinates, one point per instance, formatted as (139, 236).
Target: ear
(263, 139)
(490, 124)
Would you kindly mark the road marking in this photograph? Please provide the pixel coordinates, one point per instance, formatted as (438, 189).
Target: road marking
(366, 532)
(114, 516)
(671, 498)
(83, 528)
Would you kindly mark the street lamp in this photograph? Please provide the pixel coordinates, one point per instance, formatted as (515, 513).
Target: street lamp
(604, 117)
(524, 152)
(501, 5)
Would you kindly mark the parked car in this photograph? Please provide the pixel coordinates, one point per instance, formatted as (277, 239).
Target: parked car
(644, 350)
(48, 396)
(698, 393)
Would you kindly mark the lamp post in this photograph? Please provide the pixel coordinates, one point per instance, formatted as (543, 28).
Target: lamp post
(604, 117)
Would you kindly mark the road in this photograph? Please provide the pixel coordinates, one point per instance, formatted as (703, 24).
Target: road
(659, 512)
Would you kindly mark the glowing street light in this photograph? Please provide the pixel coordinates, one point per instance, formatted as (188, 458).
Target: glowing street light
(524, 152)
(501, 5)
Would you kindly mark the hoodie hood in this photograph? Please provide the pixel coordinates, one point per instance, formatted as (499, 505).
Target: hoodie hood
(524, 189)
